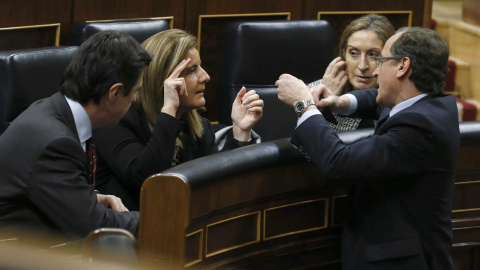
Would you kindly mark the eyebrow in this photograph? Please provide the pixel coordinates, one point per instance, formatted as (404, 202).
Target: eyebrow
(371, 49)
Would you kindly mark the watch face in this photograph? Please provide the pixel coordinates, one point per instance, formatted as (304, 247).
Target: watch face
(299, 107)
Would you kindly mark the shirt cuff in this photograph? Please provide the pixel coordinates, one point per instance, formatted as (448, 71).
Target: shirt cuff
(353, 104)
(306, 115)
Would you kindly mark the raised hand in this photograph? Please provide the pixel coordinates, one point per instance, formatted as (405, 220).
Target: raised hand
(174, 87)
(291, 90)
(247, 110)
(335, 76)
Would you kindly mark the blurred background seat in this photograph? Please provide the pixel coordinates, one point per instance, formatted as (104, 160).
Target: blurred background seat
(256, 53)
(111, 244)
(29, 75)
(140, 30)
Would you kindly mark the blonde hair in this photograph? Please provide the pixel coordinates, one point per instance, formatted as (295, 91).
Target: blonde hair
(168, 48)
(378, 24)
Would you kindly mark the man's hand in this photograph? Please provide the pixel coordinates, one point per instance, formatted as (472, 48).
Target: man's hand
(110, 201)
(324, 98)
(291, 90)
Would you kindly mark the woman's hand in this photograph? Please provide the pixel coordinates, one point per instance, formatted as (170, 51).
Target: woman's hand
(335, 76)
(247, 109)
(174, 87)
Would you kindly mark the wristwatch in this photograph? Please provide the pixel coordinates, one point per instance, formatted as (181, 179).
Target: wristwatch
(302, 105)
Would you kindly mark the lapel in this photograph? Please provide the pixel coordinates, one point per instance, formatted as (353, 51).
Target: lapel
(386, 112)
(65, 112)
(383, 117)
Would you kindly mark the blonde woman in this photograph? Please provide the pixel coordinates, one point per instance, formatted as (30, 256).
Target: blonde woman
(163, 128)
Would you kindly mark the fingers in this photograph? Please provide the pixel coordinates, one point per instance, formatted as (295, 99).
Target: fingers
(285, 77)
(256, 106)
(179, 68)
(181, 87)
(339, 70)
(110, 201)
(116, 203)
(320, 92)
(251, 98)
(242, 92)
(316, 92)
(335, 76)
(332, 64)
(174, 81)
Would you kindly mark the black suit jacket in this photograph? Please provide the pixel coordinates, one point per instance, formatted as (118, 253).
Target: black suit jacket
(130, 151)
(43, 182)
(401, 182)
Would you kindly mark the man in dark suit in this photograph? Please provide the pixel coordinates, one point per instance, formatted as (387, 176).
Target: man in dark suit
(45, 187)
(401, 179)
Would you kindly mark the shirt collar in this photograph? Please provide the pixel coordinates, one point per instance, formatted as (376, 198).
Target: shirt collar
(405, 104)
(82, 121)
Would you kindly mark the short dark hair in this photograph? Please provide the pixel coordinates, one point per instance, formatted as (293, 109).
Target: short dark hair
(428, 52)
(106, 58)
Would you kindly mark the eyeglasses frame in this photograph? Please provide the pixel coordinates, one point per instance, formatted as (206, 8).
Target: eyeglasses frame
(379, 60)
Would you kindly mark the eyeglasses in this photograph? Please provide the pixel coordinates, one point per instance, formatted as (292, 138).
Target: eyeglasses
(379, 60)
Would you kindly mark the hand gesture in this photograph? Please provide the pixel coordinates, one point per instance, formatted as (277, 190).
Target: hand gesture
(291, 90)
(335, 76)
(247, 109)
(174, 87)
(324, 98)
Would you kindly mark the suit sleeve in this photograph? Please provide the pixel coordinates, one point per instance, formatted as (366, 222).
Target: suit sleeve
(59, 189)
(406, 149)
(132, 160)
(367, 105)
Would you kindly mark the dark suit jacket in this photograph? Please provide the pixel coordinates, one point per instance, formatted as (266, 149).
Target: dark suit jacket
(130, 152)
(43, 182)
(401, 182)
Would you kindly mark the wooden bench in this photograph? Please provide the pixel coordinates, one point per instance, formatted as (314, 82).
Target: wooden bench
(265, 207)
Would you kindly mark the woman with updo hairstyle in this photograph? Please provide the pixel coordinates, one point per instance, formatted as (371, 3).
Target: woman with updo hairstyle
(163, 127)
(361, 42)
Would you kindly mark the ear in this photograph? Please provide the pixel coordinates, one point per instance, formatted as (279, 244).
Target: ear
(115, 91)
(404, 68)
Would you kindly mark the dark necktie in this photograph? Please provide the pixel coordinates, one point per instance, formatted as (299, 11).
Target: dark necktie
(92, 161)
(380, 122)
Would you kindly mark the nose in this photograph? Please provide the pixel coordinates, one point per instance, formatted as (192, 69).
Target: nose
(204, 78)
(363, 65)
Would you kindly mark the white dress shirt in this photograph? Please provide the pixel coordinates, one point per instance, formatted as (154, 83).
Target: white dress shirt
(82, 121)
(354, 103)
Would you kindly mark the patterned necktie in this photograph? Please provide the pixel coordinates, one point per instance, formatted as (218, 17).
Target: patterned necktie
(92, 161)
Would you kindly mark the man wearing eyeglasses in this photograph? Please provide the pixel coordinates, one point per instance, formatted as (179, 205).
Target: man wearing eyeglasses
(401, 178)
